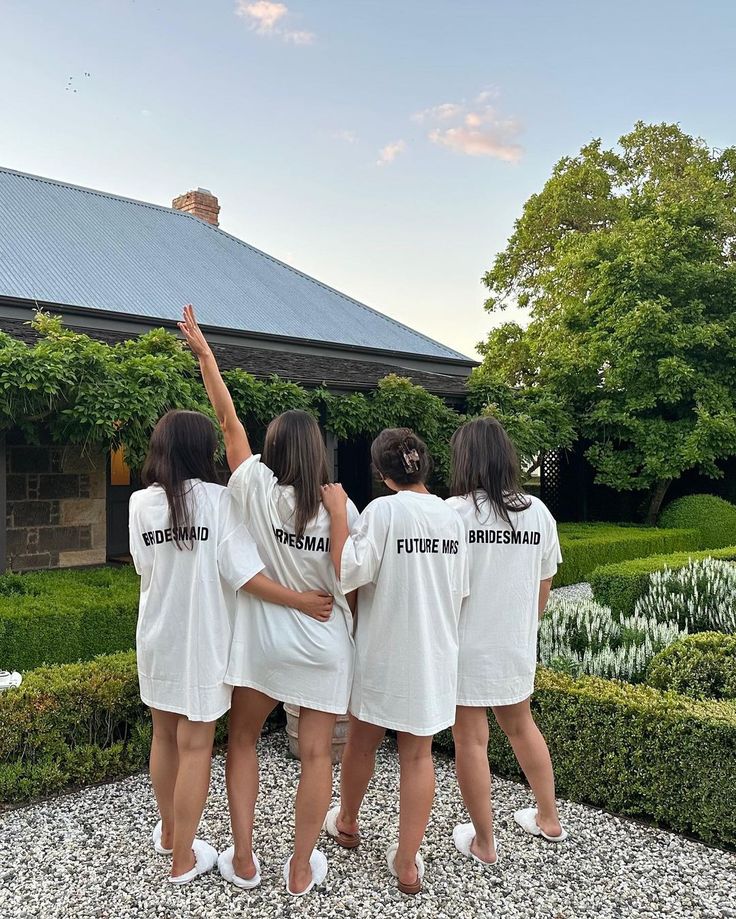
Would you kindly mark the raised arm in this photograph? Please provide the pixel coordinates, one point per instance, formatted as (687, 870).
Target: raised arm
(335, 502)
(237, 446)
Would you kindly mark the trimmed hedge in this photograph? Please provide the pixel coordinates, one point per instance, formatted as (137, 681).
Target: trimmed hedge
(57, 617)
(585, 546)
(77, 724)
(713, 517)
(634, 750)
(69, 725)
(701, 666)
(620, 585)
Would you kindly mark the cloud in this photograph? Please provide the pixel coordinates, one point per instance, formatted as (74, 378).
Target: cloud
(439, 112)
(474, 128)
(265, 18)
(389, 153)
(345, 135)
(478, 143)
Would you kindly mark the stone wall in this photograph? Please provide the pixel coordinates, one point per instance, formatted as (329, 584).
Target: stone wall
(56, 507)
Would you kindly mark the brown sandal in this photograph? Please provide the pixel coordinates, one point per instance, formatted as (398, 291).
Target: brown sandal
(410, 890)
(346, 840)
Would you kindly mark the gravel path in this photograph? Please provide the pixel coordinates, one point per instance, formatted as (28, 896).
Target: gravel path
(87, 856)
(581, 591)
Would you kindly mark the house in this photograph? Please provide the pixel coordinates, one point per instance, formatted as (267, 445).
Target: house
(113, 268)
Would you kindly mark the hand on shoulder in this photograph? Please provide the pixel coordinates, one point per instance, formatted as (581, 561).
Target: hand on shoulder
(334, 497)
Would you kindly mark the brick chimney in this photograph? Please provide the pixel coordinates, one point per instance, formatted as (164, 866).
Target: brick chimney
(201, 203)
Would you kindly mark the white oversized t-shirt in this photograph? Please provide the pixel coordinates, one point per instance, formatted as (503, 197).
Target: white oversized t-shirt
(498, 623)
(280, 651)
(407, 555)
(188, 598)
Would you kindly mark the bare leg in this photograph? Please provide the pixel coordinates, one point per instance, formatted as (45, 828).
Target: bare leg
(248, 713)
(194, 739)
(163, 767)
(314, 793)
(356, 771)
(530, 749)
(474, 776)
(415, 796)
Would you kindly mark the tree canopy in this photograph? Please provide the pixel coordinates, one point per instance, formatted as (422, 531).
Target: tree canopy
(625, 264)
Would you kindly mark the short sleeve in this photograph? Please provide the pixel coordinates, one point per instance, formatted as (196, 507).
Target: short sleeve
(361, 555)
(252, 481)
(237, 554)
(134, 531)
(552, 555)
(465, 573)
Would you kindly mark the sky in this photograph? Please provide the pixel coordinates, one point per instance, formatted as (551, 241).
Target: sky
(385, 148)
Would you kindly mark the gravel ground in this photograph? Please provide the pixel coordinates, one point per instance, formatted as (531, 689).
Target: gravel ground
(87, 855)
(580, 591)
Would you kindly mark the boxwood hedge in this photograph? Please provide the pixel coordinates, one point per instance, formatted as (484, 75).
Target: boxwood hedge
(585, 546)
(713, 517)
(634, 750)
(702, 666)
(51, 617)
(620, 585)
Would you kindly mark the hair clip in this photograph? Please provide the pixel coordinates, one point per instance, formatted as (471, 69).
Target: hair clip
(410, 459)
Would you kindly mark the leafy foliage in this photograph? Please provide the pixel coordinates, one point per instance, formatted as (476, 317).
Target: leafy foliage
(701, 666)
(714, 517)
(625, 262)
(98, 395)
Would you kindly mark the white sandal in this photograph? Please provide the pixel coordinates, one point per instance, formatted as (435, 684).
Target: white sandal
(463, 836)
(527, 820)
(156, 840)
(205, 859)
(318, 864)
(410, 889)
(225, 864)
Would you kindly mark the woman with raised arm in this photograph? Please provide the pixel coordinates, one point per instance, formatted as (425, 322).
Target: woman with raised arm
(193, 554)
(406, 556)
(513, 552)
(276, 654)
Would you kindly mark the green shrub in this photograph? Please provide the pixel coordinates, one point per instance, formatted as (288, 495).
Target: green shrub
(620, 585)
(635, 750)
(701, 666)
(585, 546)
(53, 617)
(76, 724)
(581, 636)
(713, 517)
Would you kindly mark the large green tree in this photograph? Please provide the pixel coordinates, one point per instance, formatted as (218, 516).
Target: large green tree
(625, 264)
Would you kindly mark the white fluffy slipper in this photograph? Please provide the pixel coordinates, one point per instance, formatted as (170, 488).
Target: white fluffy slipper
(346, 840)
(225, 864)
(318, 864)
(156, 840)
(527, 820)
(205, 857)
(391, 858)
(463, 836)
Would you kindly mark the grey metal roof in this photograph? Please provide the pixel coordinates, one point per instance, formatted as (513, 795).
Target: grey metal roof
(74, 246)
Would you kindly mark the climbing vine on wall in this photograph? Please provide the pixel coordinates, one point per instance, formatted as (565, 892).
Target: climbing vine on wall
(104, 395)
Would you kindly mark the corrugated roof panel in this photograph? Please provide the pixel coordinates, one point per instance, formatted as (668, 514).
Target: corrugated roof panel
(64, 244)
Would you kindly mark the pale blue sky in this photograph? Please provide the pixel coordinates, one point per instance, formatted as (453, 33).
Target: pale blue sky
(283, 109)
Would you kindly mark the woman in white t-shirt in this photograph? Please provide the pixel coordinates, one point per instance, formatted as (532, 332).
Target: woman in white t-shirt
(513, 552)
(406, 555)
(193, 554)
(276, 654)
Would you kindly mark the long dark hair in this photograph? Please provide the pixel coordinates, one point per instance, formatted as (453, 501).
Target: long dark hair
(296, 454)
(485, 461)
(182, 447)
(398, 454)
